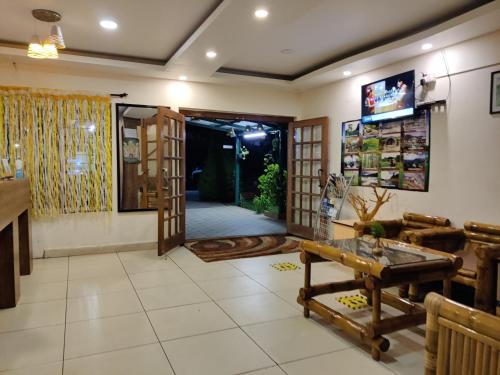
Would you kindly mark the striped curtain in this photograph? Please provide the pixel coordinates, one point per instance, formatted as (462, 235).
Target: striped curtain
(64, 143)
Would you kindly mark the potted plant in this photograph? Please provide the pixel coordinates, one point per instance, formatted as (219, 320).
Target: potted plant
(377, 231)
(272, 185)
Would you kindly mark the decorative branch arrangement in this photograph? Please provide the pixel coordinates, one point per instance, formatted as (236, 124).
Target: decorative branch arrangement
(362, 206)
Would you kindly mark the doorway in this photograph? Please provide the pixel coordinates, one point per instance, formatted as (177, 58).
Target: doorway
(235, 174)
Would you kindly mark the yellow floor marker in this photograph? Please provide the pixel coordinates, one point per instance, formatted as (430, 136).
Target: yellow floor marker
(354, 302)
(285, 266)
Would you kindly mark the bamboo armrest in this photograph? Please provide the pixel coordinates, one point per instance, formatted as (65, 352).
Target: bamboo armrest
(434, 234)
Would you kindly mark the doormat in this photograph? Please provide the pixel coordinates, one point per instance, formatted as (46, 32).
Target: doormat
(285, 266)
(242, 247)
(354, 302)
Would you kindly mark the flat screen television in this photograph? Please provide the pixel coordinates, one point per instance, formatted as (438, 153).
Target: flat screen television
(389, 98)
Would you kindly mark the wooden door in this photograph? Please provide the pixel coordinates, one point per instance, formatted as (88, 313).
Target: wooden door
(170, 179)
(307, 173)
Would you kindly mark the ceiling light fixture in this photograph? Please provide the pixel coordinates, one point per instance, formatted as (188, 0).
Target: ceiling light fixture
(108, 24)
(347, 73)
(56, 37)
(50, 50)
(211, 54)
(254, 135)
(261, 13)
(47, 49)
(426, 46)
(35, 48)
(183, 78)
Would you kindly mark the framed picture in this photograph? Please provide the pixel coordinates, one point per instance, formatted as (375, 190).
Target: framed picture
(495, 92)
(391, 154)
(351, 146)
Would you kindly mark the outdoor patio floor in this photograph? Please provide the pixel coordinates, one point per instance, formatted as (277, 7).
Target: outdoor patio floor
(216, 220)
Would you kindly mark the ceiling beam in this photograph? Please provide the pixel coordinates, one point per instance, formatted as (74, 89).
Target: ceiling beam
(199, 30)
(217, 115)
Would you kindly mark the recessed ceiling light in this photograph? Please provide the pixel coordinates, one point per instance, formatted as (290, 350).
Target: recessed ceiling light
(108, 24)
(261, 13)
(211, 54)
(183, 78)
(347, 73)
(426, 46)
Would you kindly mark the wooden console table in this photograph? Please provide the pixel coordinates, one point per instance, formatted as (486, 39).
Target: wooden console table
(343, 229)
(15, 239)
(400, 263)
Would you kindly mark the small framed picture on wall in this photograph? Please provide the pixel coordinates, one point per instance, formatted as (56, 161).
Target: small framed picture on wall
(495, 93)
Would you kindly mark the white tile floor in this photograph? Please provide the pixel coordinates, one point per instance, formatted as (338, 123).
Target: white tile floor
(135, 313)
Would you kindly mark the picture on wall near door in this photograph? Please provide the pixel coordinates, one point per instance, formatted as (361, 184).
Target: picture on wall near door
(351, 147)
(495, 93)
(393, 154)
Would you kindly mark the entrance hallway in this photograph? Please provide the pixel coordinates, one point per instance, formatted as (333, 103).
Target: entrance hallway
(218, 220)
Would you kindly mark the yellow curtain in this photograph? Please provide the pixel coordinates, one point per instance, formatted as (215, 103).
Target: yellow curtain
(64, 143)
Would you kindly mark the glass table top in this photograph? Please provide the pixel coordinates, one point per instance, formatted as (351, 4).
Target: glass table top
(393, 253)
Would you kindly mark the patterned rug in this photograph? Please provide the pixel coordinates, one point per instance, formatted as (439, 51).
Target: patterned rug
(242, 247)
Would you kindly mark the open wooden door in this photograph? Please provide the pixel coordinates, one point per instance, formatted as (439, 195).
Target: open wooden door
(307, 173)
(170, 179)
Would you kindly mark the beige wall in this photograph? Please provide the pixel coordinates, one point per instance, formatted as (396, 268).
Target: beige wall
(465, 138)
(82, 230)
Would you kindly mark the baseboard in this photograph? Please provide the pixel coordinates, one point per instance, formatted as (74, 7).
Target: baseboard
(102, 249)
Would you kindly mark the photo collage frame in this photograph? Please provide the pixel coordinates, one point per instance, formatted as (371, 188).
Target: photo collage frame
(391, 154)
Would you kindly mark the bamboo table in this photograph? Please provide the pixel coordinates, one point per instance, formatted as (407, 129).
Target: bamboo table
(400, 263)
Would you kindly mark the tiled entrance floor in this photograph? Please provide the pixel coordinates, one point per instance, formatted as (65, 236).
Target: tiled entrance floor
(135, 313)
(216, 220)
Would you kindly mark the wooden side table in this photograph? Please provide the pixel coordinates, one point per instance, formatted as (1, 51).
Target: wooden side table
(15, 239)
(343, 229)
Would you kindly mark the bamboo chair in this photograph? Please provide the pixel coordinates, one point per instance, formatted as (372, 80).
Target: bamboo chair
(460, 340)
(479, 246)
(401, 229)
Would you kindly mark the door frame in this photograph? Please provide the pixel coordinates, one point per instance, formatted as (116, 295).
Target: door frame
(176, 158)
(299, 229)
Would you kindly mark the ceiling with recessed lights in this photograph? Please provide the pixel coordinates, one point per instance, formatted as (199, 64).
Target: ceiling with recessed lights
(300, 43)
(148, 30)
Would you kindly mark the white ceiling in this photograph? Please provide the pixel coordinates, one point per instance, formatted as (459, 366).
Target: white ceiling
(151, 29)
(319, 30)
(327, 36)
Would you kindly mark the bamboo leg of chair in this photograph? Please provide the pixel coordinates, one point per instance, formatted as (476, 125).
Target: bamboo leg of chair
(403, 291)
(376, 313)
(447, 288)
(307, 279)
(431, 344)
(413, 293)
(486, 282)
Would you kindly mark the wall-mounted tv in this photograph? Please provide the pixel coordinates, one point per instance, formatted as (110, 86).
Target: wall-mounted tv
(389, 98)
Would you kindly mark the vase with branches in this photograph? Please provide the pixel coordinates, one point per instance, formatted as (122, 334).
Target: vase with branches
(363, 207)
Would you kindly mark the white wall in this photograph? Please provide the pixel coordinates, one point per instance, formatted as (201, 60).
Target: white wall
(465, 138)
(81, 230)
